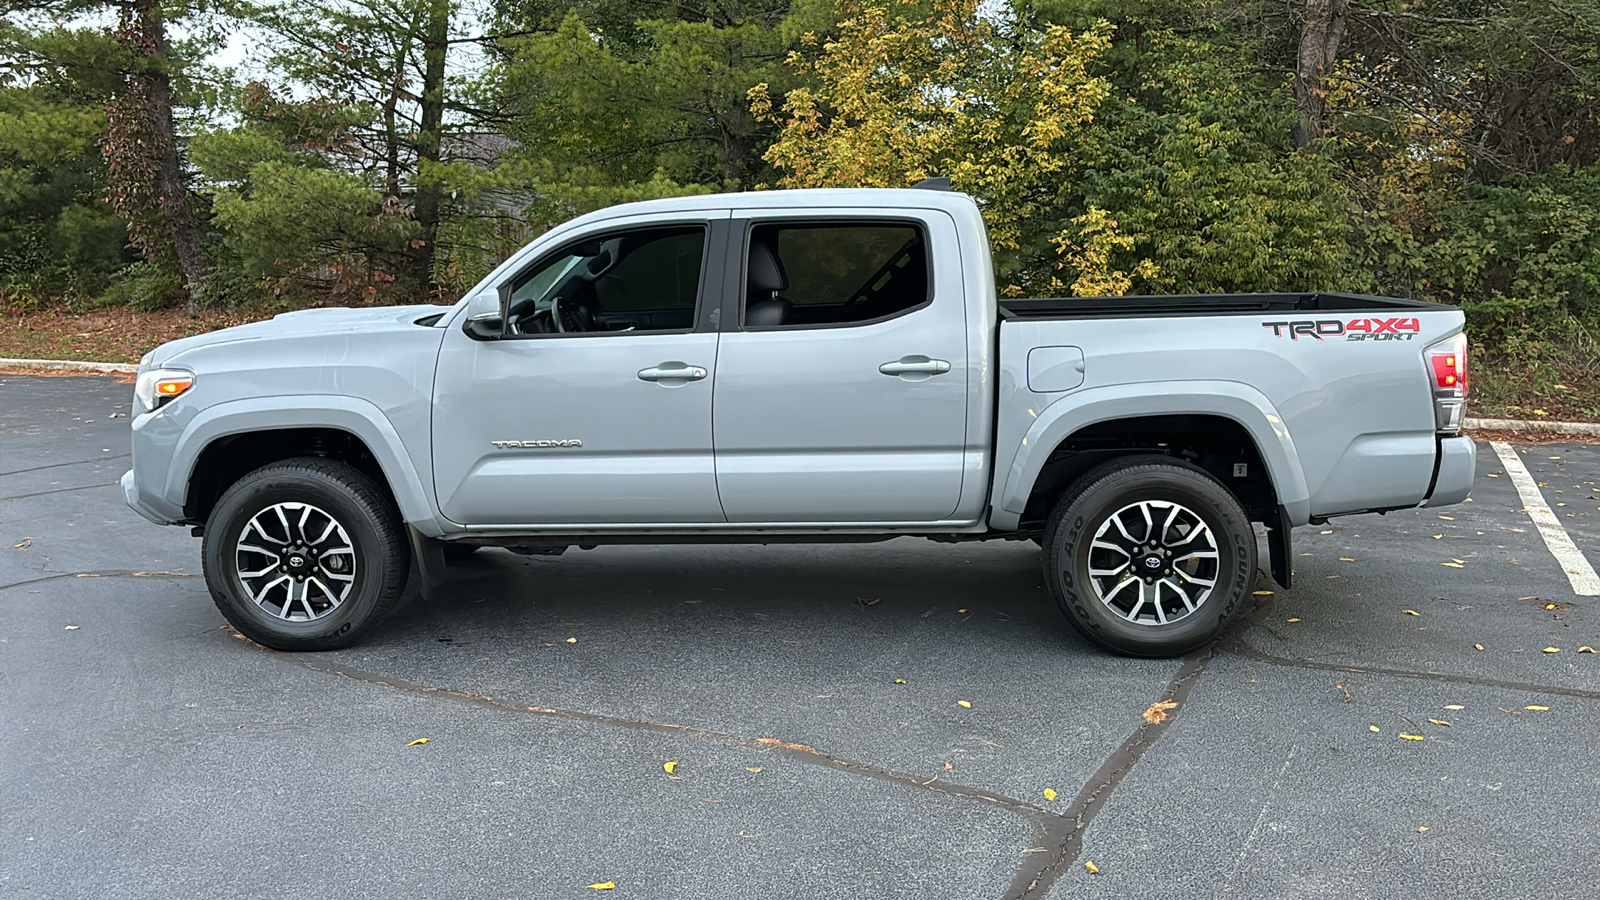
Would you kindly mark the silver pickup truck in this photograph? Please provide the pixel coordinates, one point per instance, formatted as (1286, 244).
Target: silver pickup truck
(793, 365)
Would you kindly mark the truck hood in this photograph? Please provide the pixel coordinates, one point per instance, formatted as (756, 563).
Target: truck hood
(301, 323)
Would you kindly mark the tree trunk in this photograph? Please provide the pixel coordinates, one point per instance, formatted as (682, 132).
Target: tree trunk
(1319, 47)
(431, 116)
(143, 149)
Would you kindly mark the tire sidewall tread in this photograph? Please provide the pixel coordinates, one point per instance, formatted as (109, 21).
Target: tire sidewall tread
(1112, 485)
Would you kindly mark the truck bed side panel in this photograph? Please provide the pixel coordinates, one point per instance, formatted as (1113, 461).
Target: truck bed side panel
(1341, 410)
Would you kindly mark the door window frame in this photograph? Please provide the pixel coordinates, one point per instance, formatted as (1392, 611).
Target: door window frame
(736, 287)
(713, 267)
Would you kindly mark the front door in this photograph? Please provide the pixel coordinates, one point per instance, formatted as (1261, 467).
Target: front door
(594, 408)
(841, 395)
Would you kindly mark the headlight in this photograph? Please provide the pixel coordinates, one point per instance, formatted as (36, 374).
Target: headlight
(158, 386)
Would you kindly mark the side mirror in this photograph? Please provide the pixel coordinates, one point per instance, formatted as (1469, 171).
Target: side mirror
(488, 326)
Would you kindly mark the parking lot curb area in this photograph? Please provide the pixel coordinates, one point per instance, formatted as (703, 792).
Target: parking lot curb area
(1589, 429)
(69, 365)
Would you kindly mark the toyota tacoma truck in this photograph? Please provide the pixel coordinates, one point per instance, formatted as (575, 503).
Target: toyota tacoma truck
(793, 366)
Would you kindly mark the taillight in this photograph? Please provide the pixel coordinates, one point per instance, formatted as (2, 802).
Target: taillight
(1447, 363)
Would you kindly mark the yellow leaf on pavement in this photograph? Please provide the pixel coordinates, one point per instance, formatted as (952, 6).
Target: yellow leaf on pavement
(1477, 646)
(603, 886)
(752, 768)
(1538, 708)
(417, 741)
(1552, 650)
(1157, 713)
(1411, 737)
(1050, 793)
(1452, 565)
(1373, 728)
(574, 641)
(1346, 559)
(1090, 867)
(670, 767)
(1455, 706)
(1295, 619)
(1441, 722)
(1261, 593)
(899, 681)
(1438, 537)
(1411, 612)
(964, 704)
(1585, 649)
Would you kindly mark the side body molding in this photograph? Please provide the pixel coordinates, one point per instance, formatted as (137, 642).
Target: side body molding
(353, 414)
(1018, 466)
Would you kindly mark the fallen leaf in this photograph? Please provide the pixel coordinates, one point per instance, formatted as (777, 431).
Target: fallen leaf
(964, 704)
(1549, 606)
(1477, 646)
(1261, 593)
(1346, 559)
(670, 766)
(417, 741)
(752, 768)
(1157, 713)
(1438, 536)
(1448, 518)
(1551, 650)
(1090, 867)
(1441, 722)
(1455, 706)
(1422, 829)
(23, 544)
(574, 641)
(1295, 619)
(1452, 565)
(899, 681)
(1585, 649)
(73, 627)
(603, 886)
(961, 612)
(1050, 794)
(1327, 531)
(1538, 708)
(1411, 612)
(1374, 729)
(1411, 737)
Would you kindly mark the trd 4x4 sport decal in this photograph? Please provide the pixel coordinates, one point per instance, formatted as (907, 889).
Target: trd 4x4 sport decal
(1351, 330)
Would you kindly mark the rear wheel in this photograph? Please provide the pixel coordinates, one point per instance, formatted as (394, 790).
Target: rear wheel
(305, 554)
(1149, 556)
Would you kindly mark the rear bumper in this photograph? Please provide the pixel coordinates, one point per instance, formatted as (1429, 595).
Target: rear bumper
(1458, 464)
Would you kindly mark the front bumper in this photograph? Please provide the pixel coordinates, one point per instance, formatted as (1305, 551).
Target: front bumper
(151, 507)
(1458, 464)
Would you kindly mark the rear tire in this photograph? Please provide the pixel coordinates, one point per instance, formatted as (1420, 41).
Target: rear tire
(305, 554)
(1149, 556)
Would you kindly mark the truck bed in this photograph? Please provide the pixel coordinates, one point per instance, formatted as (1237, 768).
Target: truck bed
(1200, 304)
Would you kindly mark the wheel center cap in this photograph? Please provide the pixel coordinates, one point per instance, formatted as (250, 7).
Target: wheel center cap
(1152, 562)
(297, 561)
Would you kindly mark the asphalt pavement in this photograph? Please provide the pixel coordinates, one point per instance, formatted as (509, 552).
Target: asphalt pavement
(146, 751)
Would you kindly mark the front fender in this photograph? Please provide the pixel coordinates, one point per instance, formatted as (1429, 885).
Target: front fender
(1080, 409)
(352, 414)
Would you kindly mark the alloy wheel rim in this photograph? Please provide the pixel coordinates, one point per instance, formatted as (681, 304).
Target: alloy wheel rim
(1153, 562)
(295, 562)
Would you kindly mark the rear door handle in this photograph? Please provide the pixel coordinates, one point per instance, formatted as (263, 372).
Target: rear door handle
(672, 371)
(915, 365)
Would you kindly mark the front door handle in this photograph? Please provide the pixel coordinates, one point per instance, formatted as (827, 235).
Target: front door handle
(915, 365)
(672, 371)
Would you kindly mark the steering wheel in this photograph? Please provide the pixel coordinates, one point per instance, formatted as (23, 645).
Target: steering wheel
(570, 318)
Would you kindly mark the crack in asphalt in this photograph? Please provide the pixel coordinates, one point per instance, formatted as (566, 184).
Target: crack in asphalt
(60, 491)
(1036, 880)
(118, 574)
(1238, 647)
(80, 462)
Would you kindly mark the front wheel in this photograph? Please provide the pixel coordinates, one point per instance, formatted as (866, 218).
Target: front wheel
(1149, 556)
(305, 554)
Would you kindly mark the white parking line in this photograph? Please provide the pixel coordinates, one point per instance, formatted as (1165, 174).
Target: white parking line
(1585, 583)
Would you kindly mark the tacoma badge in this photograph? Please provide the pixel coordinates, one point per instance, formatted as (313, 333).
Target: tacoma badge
(535, 445)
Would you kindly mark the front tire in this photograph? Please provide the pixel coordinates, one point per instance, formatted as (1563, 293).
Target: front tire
(305, 554)
(1149, 556)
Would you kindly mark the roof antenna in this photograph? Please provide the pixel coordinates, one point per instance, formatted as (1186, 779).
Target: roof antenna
(936, 183)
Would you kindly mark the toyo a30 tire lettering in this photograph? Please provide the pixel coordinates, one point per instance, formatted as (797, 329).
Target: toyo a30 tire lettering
(305, 554)
(1149, 556)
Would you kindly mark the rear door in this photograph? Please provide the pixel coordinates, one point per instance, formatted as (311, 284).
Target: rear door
(842, 379)
(606, 420)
